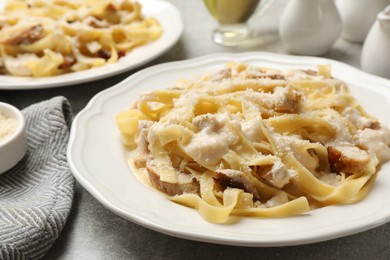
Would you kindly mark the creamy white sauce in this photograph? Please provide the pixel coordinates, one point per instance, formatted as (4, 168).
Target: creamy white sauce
(212, 141)
(252, 130)
(376, 141)
(279, 175)
(18, 66)
(356, 118)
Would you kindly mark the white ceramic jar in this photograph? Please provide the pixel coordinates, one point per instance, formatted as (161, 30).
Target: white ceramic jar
(376, 49)
(358, 16)
(310, 27)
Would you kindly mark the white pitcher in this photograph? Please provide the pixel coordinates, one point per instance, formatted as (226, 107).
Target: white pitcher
(358, 16)
(310, 27)
(376, 49)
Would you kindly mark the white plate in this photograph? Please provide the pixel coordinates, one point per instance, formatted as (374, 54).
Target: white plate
(98, 161)
(169, 18)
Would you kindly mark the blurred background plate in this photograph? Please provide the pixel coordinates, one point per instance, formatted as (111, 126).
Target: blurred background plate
(169, 18)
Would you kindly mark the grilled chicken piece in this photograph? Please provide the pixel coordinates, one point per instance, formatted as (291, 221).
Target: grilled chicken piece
(140, 160)
(359, 121)
(278, 175)
(273, 76)
(207, 121)
(347, 159)
(256, 73)
(223, 74)
(311, 72)
(28, 36)
(68, 62)
(235, 179)
(287, 99)
(96, 23)
(109, 14)
(376, 141)
(185, 182)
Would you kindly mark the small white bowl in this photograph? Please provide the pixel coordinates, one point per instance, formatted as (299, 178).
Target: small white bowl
(13, 147)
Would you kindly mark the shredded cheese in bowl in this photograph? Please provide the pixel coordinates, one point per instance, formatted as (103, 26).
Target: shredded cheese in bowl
(13, 140)
(8, 126)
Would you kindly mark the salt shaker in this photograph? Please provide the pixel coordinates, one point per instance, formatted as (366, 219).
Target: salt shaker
(376, 48)
(358, 16)
(310, 27)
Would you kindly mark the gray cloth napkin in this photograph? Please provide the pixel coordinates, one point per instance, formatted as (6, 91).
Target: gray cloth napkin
(36, 195)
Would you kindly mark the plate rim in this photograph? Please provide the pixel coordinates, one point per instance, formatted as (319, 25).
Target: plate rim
(101, 96)
(90, 75)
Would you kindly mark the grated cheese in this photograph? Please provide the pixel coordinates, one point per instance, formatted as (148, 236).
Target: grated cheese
(7, 127)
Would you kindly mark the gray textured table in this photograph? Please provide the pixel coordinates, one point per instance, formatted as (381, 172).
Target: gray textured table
(93, 232)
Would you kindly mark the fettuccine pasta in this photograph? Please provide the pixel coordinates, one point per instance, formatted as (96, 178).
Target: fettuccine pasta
(255, 141)
(46, 38)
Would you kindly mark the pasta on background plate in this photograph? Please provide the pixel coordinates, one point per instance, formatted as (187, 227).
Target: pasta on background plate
(255, 141)
(46, 38)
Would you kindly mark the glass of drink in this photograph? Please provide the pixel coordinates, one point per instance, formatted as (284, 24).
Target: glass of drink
(232, 17)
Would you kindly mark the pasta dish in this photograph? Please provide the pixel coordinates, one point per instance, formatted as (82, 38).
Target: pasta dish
(45, 38)
(255, 141)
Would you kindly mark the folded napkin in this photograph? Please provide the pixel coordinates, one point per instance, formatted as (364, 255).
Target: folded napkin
(36, 195)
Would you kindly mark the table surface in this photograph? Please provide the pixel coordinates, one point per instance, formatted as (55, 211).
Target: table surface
(93, 232)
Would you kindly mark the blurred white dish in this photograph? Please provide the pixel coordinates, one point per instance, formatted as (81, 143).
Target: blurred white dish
(375, 56)
(99, 162)
(358, 16)
(310, 27)
(169, 18)
(13, 147)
